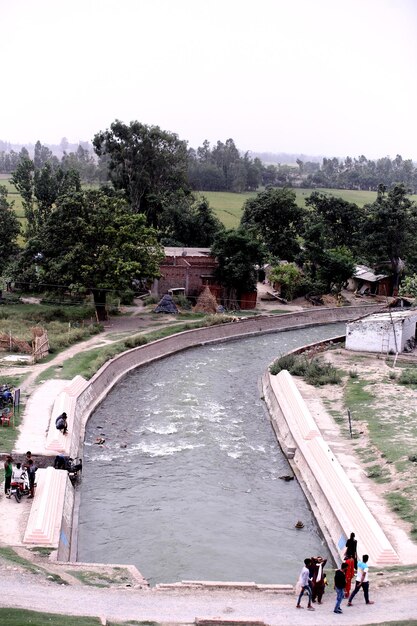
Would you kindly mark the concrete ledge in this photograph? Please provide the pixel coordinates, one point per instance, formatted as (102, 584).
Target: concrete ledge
(341, 507)
(205, 585)
(45, 518)
(66, 401)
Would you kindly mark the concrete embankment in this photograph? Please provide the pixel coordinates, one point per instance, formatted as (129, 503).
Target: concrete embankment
(336, 503)
(83, 396)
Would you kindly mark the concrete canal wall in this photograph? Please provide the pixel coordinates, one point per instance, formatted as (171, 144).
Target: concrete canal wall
(80, 399)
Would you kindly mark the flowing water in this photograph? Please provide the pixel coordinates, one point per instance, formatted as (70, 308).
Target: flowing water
(186, 485)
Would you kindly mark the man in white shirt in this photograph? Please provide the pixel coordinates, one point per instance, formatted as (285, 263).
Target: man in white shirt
(304, 582)
(362, 580)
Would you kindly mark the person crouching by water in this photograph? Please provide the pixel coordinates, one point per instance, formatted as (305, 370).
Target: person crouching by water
(61, 423)
(304, 582)
(339, 585)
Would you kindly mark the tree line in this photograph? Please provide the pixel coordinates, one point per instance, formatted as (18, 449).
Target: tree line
(222, 167)
(100, 240)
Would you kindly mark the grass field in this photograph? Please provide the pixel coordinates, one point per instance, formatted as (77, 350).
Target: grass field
(227, 206)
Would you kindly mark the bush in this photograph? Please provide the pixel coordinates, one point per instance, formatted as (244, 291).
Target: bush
(183, 302)
(134, 342)
(408, 377)
(151, 300)
(314, 372)
(127, 296)
(213, 320)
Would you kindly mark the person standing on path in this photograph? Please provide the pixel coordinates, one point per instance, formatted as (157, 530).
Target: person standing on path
(339, 585)
(31, 469)
(351, 549)
(8, 470)
(317, 578)
(362, 580)
(350, 572)
(304, 581)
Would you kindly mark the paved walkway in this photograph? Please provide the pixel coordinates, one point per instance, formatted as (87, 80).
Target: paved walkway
(184, 606)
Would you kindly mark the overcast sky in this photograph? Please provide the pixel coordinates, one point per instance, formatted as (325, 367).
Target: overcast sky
(320, 77)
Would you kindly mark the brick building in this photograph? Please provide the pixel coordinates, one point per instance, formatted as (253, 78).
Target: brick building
(187, 268)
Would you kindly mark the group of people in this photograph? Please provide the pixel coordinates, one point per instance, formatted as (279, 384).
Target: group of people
(313, 580)
(16, 473)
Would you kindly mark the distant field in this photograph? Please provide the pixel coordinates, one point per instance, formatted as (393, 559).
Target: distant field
(228, 206)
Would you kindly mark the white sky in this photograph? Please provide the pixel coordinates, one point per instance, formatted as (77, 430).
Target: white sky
(324, 77)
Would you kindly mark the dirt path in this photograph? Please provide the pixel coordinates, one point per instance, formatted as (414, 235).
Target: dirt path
(184, 606)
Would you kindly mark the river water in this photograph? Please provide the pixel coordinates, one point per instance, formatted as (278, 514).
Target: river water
(186, 485)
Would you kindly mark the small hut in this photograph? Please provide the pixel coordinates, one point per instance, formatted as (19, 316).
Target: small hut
(206, 302)
(166, 305)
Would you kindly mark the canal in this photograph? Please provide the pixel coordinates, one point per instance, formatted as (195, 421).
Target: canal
(186, 485)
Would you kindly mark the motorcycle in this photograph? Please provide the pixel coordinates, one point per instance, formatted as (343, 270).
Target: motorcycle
(72, 466)
(19, 488)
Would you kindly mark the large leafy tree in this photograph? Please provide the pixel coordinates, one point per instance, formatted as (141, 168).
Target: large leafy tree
(10, 228)
(340, 222)
(274, 217)
(40, 182)
(93, 241)
(147, 163)
(189, 223)
(329, 223)
(237, 253)
(389, 230)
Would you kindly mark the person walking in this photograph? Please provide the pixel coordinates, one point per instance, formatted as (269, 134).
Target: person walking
(339, 585)
(350, 572)
(362, 580)
(8, 470)
(304, 581)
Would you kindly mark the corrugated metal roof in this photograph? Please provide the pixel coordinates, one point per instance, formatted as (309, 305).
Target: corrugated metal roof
(363, 272)
(386, 316)
(184, 251)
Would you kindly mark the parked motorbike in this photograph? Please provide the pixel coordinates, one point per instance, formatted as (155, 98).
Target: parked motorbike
(72, 466)
(20, 488)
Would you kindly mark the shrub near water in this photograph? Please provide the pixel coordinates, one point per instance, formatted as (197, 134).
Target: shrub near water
(314, 372)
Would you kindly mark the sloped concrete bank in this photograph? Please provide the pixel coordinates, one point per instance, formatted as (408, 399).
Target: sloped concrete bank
(336, 503)
(99, 386)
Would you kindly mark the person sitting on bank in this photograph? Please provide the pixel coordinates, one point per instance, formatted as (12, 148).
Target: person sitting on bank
(61, 423)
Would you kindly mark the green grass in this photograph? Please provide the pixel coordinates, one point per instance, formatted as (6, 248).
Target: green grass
(228, 206)
(64, 324)
(18, 617)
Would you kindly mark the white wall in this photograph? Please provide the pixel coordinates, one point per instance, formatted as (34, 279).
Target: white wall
(372, 335)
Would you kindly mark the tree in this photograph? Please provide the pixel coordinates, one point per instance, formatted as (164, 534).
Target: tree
(147, 163)
(337, 266)
(274, 217)
(409, 286)
(189, 224)
(93, 241)
(340, 222)
(41, 186)
(237, 254)
(10, 228)
(389, 230)
(289, 276)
